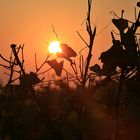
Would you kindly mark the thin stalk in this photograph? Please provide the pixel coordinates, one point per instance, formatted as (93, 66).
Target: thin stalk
(90, 46)
(122, 77)
(38, 69)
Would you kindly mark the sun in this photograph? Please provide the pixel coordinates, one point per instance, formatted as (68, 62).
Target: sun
(54, 47)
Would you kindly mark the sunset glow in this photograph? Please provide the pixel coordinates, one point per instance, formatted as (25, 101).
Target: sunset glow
(54, 47)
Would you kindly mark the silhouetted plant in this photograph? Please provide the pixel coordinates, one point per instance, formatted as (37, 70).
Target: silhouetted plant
(64, 113)
(121, 59)
(67, 54)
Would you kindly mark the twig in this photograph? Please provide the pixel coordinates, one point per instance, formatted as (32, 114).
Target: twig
(7, 67)
(13, 46)
(55, 32)
(5, 59)
(74, 69)
(80, 65)
(91, 34)
(44, 71)
(82, 38)
(36, 62)
(22, 55)
(115, 32)
(76, 77)
(15, 79)
(12, 64)
(122, 77)
(67, 79)
(6, 73)
(43, 63)
(82, 50)
(115, 15)
(107, 25)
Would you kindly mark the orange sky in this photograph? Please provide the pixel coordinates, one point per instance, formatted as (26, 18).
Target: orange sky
(29, 22)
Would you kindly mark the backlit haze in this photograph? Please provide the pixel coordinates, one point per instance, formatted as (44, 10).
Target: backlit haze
(30, 22)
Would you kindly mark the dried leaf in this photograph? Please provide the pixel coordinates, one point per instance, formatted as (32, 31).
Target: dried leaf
(56, 66)
(138, 4)
(121, 24)
(95, 68)
(68, 51)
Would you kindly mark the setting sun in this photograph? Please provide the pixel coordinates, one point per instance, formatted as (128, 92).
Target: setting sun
(54, 47)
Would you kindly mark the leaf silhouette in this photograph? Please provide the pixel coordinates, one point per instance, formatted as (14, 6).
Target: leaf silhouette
(113, 57)
(67, 51)
(56, 66)
(138, 4)
(121, 24)
(29, 79)
(96, 68)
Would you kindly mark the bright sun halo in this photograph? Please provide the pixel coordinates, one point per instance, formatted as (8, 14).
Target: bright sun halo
(54, 47)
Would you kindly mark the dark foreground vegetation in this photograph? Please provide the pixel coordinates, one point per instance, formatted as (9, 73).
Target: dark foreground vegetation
(104, 105)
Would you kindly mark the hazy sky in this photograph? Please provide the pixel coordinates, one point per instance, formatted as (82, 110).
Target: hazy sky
(30, 22)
